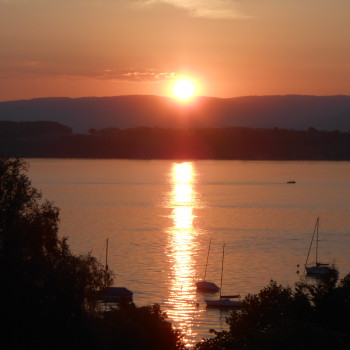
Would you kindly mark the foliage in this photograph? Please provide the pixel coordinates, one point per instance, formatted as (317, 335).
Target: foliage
(48, 293)
(312, 316)
(176, 143)
(130, 327)
(27, 129)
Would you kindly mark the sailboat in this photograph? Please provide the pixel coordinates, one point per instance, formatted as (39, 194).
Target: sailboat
(224, 301)
(206, 286)
(113, 294)
(318, 268)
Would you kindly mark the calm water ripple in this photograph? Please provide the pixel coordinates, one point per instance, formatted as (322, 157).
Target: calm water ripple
(160, 215)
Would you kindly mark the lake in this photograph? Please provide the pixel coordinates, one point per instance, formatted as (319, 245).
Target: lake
(159, 217)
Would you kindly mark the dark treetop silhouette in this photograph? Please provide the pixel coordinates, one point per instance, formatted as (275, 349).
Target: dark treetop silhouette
(54, 140)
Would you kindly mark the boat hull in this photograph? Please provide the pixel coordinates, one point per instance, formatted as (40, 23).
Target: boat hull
(206, 286)
(319, 270)
(114, 295)
(224, 303)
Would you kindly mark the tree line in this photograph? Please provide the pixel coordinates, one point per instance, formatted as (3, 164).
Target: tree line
(165, 143)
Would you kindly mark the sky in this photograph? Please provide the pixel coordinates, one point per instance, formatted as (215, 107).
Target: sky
(228, 48)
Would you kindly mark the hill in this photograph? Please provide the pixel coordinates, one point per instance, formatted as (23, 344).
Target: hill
(290, 112)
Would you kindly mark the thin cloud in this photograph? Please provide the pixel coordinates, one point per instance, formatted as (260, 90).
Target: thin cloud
(18, 68)
(32, 69)
(136, 75)
(213, 9)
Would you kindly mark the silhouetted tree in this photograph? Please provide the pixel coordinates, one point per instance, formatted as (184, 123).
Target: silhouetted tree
(131, 327)
(47, 290)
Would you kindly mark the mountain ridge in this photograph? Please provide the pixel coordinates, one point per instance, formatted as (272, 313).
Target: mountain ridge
(298, 112)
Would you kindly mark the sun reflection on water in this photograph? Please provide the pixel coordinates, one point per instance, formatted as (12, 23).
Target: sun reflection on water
(181, 302)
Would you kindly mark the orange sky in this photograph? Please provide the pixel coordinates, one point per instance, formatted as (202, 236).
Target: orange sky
(116, 47)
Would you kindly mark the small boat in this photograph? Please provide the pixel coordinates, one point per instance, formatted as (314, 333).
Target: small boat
(113, 294)
(206, 286)
(224, 301)
(318, 268)
(291, 182)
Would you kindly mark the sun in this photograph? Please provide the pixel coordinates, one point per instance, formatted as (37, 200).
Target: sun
(184, 89)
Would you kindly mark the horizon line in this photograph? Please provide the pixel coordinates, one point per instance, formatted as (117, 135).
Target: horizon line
(168, 97)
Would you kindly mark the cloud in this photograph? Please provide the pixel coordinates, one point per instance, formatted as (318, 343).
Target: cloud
(213, 9)
(19, 68)
(31, 69)
(130, 74)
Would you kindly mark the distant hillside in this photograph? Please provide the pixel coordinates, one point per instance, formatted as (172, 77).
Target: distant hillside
(289, 112)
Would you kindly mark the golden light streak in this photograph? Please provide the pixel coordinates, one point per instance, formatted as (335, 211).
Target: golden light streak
(182, 246)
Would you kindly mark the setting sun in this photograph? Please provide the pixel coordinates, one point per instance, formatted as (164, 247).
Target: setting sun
(184, 89)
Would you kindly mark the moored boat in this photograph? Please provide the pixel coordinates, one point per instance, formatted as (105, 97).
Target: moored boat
(206, 286)
(224, 301)
(318, 269)
(113, 294)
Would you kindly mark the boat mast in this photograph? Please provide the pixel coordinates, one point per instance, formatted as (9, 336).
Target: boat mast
(106, 266)
(313, 235)
(206, 265)
(106, 255)
(317, 222)
(222, 266)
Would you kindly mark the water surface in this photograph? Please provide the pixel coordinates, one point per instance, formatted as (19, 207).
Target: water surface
(160, 215)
